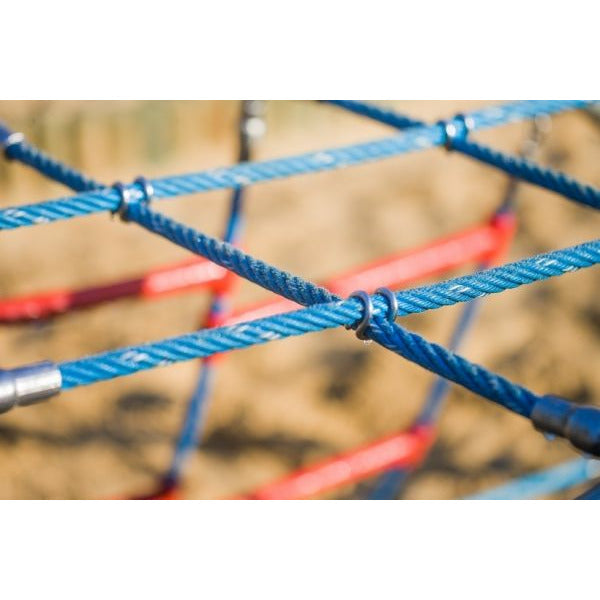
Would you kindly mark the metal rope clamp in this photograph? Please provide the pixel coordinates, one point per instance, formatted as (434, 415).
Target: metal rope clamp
(145, 195)
(28, 385)
(364, 323)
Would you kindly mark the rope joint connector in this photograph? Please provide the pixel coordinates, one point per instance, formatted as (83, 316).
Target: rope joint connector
(363, 324)
(28, 385)
(456, 128)
(368, 310)
(144, 192)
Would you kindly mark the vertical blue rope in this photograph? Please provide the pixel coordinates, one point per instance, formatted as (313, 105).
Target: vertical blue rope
(193, 424)
(191, 430)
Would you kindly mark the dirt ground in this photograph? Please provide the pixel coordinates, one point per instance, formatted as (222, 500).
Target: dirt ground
(291, 402)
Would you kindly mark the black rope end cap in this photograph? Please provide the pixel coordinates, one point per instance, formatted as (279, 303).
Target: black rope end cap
(578, 424)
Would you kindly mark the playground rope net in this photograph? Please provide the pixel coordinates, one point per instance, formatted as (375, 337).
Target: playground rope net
(338, 302)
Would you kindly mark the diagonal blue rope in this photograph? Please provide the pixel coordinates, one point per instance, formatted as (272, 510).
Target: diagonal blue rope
(336, 312)
(414, 300)
(415, 138)
(512, 165)
(543, 483)
(390, 484)
(33, 157)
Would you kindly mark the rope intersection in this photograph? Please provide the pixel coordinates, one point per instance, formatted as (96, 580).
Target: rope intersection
(372, 315)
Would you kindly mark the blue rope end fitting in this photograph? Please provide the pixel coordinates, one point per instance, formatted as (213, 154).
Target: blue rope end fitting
(578, 424)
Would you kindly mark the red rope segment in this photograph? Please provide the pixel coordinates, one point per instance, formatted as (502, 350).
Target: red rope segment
(399, 450)
(179, 277)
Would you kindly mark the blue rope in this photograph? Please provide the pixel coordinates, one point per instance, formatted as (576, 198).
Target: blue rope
(415, 138)
(436, 295)
(512, 165)
(461, 289)
(191, 429)
(543, 483)
(392, 481)
(335, 312)
(33, 157)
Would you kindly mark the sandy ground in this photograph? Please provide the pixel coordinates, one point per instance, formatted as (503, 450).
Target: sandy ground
(294, 401)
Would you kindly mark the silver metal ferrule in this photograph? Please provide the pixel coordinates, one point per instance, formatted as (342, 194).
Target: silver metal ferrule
(28, 385)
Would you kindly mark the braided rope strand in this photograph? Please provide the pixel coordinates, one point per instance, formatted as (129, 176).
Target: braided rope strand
(407, 344)
(414, 300)
(514, 166)
(414, 138)
(33, 157)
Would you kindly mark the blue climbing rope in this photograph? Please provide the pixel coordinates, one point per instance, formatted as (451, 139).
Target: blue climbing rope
(412, 139)
(456, 139)
(334, 312)
(419, 299)
(390, 484)
(581, 425)
(18, 149)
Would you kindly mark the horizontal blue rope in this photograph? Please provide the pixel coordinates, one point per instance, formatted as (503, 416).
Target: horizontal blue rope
(543, 483)
(414, 138)
(515, 166)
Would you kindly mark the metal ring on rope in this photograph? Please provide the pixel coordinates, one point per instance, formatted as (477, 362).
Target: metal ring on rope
(147, 190)
(367, 314)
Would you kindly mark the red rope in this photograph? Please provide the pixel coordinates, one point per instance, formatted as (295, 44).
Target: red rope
(184, 276)
(395, 451)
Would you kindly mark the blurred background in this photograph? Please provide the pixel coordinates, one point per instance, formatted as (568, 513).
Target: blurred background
(292, 402)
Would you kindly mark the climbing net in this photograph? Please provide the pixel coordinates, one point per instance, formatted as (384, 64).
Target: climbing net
(340, 302)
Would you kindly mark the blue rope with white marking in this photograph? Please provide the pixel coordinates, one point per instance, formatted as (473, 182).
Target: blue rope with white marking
(414, 138)
(336, 312)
